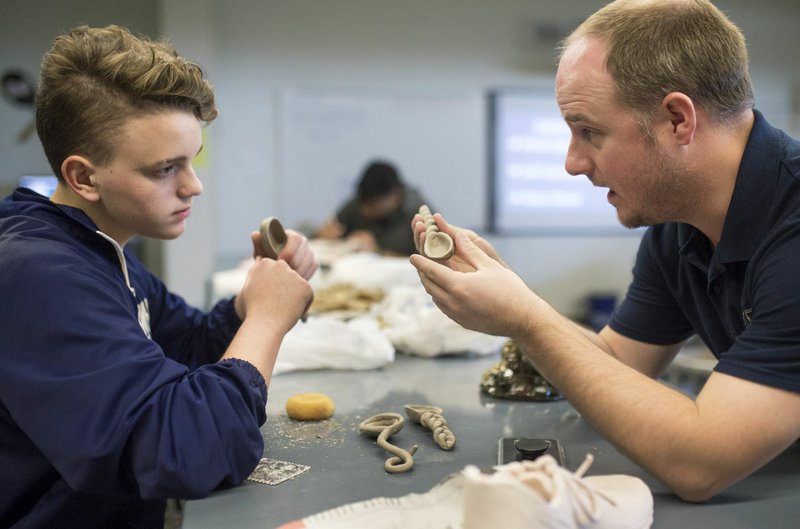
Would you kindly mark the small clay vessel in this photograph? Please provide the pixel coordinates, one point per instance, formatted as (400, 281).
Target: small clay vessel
(438, 245)
(273, 237)
(273, 240)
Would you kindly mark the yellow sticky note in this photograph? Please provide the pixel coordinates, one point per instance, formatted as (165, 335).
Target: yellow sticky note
(201, 160)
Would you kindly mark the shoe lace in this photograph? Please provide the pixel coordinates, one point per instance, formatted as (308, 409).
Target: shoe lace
(585, 498)
(546, 476)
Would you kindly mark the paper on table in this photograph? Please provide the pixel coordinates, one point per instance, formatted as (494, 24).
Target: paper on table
(274, 471)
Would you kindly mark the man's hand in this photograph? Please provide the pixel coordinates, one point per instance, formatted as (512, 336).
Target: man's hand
(455, 262)
(476, 290)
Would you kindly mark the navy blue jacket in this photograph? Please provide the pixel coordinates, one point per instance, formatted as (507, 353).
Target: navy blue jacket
(111, 396)
(741, 297)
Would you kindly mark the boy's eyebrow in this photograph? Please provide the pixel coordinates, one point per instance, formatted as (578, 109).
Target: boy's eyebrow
(169, 161)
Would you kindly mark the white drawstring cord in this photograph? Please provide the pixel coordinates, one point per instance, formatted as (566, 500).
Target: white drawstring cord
(121, 257)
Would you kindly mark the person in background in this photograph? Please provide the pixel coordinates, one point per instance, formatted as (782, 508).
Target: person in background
(658, 99)
(376, 219)
(115, 394)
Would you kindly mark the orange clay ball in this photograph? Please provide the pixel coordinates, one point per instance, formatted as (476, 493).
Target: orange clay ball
(309, 407)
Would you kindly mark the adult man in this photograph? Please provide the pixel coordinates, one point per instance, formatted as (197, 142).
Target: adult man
(376, 219)
(658, 99)
(114, 393)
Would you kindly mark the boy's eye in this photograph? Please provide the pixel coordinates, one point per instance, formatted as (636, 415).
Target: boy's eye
(167, 170)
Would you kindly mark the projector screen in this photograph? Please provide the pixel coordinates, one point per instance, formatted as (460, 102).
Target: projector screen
(531, 192)
(43, 184)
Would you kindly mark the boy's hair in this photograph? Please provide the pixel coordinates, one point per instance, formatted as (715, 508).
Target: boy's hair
(93, 80)
(656, 47)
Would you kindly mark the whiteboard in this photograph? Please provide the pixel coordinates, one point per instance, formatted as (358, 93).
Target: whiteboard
(437, 142)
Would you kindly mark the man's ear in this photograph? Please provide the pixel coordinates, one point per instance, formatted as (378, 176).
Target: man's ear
(682, 115)
(79, 175)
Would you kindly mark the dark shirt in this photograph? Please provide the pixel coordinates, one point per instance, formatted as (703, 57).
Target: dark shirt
(743, 297)
(104, 411)
(392, 233)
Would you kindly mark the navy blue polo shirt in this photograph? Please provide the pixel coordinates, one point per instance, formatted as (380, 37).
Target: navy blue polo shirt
(743, 297)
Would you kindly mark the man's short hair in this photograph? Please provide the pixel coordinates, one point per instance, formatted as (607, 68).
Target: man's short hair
(93, 80)
(656, 47)
(378, 180)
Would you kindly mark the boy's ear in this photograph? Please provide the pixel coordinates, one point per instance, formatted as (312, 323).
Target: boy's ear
(79, 175)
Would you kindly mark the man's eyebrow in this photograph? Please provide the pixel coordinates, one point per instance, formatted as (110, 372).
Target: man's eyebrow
(576, 118)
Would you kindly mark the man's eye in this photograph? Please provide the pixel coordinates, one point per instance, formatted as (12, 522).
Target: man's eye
(588, 134)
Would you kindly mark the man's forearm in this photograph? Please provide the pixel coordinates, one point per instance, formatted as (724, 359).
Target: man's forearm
(658, 427)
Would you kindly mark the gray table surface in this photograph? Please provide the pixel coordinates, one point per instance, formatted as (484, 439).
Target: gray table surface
(347, 466)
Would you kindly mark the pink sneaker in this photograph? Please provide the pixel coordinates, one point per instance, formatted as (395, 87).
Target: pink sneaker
(542, 494)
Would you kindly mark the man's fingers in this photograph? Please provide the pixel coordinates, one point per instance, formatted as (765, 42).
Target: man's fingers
(469, 251)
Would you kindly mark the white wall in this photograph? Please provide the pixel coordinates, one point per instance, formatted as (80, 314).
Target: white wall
(266, 48)
(27, 28)
(188, 261)
(257, 51)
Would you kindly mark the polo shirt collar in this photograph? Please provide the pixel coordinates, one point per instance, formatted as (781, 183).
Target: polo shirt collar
(756, 181)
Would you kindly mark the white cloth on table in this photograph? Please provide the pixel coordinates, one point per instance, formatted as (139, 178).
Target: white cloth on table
(327, 343)
(415, 325)
(406, 319)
